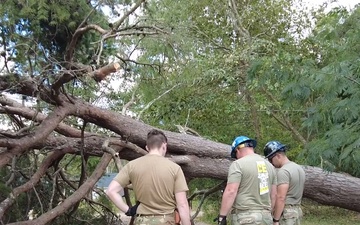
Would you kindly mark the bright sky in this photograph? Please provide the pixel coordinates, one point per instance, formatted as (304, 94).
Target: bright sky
(346, 3)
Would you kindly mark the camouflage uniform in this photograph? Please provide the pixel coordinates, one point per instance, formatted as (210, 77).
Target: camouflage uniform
(292, 174)
(261, 217)
(252, 204)
(168, 219)
(292, 215)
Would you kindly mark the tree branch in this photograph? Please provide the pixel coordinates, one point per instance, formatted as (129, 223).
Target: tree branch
(118, 23)
(154, 100)
(98, 75)
(75, 197)
(289, 125)
(128, 104)
(236, 19)
(15, 108)
(18, 146)
(77, 34)
(47, 162)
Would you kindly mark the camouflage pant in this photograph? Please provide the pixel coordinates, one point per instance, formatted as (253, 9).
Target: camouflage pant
(292, 215)
(168, 219)
(258, 217)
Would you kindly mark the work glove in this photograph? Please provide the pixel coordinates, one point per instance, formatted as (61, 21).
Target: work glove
(132, 210)
(221, 220)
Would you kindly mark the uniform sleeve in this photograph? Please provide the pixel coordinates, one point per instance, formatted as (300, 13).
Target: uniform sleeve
(180, 182)
(235, 174)
(283, 177)
(123, 177)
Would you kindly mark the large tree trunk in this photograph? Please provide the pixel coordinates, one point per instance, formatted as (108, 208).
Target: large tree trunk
(334, 189)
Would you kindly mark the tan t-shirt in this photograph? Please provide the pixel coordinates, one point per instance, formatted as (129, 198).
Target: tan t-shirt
(255, 175)
(155, 181)
(294, 175)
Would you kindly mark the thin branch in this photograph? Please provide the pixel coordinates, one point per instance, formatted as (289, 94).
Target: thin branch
(12, 177)
(77, 34)
(114, 154)
(289, 125)
(239, 29)
(101, 46)
(125, 60)
(39, 199)
(154, 100)
(128, 104)
(353, 80)
(205, 193)
(118, 23)
(187, 118)
(53, 191)
(130, 33)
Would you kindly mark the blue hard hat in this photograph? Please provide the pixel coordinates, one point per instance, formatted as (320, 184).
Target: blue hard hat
(273, 147)
(239, 140)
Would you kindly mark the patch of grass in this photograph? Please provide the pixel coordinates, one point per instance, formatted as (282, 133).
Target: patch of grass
(317, 214)
(314, 214)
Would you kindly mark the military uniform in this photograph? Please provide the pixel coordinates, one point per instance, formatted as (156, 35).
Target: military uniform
(252, 204)
(155, 219)
(294, 175)
(155, 181)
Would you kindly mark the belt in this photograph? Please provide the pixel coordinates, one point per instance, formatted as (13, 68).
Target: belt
(291, 206)
(155, 215)
(236, 211)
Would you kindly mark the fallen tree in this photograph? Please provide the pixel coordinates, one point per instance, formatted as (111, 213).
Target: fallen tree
(199, 157)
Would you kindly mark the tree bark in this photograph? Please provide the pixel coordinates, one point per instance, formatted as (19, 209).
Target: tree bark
(333, 189)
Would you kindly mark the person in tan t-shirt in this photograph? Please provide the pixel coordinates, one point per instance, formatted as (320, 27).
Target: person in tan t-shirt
(159, 185)
(290, 187)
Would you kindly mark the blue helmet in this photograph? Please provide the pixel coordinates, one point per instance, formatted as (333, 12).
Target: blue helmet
(273, 147)
(239, 140)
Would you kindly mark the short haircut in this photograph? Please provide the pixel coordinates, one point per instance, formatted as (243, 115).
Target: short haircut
(155, 138)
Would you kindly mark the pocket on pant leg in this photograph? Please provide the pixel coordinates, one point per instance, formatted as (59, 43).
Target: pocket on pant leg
(249, 218)
(290, 214)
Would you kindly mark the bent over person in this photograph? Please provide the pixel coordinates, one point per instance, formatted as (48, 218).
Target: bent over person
(290, 187)
(251, 185)
(159, 185)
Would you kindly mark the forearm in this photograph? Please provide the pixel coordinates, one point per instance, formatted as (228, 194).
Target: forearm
(227, 202)
(273, 201)
(184, 213)
(118, 201)
(279, 208)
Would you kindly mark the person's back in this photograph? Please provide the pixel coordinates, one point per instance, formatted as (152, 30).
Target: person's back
(257, 175)
(155, 180)
(159, 185)
(295, 175)
(250, 188)
(290, 187)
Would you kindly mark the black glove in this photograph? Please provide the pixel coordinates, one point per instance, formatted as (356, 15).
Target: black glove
(132, 210)
(221, 220)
